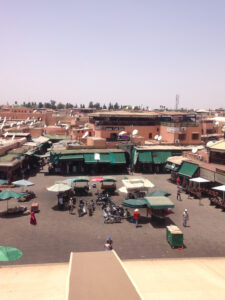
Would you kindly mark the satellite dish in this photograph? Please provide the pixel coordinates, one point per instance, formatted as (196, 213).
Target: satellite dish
(18, 123)
(5, 134)
(11, 125)
(18, 126)
(85, 135)
(194, 150)
(210, 143)
(34, 111)
(122, 133)
(159, 138)
(156, 137)
(59, 122)
(13, 137)
(134, 132)
(217, 123)
(31, 123)
(4, 119)
(45, 126)
(223, 129)
(67, 127)
(173, 166)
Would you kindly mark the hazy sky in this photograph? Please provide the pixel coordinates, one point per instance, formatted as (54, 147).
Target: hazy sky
(133, 52)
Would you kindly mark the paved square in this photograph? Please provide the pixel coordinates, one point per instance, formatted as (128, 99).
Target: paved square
(58, 233)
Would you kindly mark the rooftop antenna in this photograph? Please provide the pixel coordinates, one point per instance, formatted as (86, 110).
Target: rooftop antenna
(177, 102)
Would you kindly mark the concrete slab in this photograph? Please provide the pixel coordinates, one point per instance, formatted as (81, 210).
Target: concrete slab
(198, 278)
(36, 282)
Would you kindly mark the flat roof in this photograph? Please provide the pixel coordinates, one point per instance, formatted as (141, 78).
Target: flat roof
(192, 278)
(99, 275)
(77, 151)
(125, 114)
(177, 160)
(218, 146)
(167, 147)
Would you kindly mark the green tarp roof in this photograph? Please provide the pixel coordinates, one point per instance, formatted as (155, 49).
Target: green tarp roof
(90, 158)
(158, 193)
(135, 203)
(71, 157)
(160, 157)
(145, 156)
(9, 253)
(160, 202)
(79, 179)
(188, 169)
(117, 158)
(172, 167)
(10, 194)
(108, 179)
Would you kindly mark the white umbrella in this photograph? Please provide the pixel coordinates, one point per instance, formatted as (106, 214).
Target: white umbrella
(59, 187)
(199, 180)
(220, 188)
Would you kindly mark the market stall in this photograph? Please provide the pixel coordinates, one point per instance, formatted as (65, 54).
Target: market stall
(108, 185)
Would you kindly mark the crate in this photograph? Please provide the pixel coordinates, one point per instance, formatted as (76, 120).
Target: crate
(174, 236)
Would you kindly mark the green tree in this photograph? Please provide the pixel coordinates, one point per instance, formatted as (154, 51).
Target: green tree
(104, 106)
(40, 105)
(91, 104)
(116, 106)
(69, 105)
(60, 105)
(53, 104)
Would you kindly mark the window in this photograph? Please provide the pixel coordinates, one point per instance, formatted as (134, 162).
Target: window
(150, 136)
(89, 133)
(195, 136)
(157, 129)
(182, 137)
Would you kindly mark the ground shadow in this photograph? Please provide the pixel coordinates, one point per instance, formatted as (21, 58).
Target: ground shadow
(6, 215)
(57, 208)
(161, 223)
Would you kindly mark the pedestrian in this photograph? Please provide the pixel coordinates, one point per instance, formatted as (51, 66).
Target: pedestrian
(136, 216)
(185, 217)
(178, 180)
(110, 241)
(71, 206)
(108, 245)
(33, 220)
(179, 193)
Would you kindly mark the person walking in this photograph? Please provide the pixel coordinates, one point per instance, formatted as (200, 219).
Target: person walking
(179, 193)
(71, 206)
(136, 216)
(178, 180)
(185, 217)
(33, 220)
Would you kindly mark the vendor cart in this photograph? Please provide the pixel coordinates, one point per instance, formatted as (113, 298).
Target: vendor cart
(174, 236)
(108, 185)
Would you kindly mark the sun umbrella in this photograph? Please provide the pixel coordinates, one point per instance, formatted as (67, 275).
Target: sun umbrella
(97, 179)
(135, 203)
(23, 182)
(69, 183)
(108, 179)
(79, 179)
(59, 187)
(9, 253)
(158, 193)
(10, 194)
(220, 188)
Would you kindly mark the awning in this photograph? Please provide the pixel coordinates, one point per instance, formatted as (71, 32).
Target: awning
(135, 203)
(79, 179)
(117, 158)
(199, 180)
(188, 169)
(160, 157)
(89, 158)
(172, 167)
(71, 157)
(145, 156)
(109, 179)
(104, 158)
(158, 193)
(159, 202)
